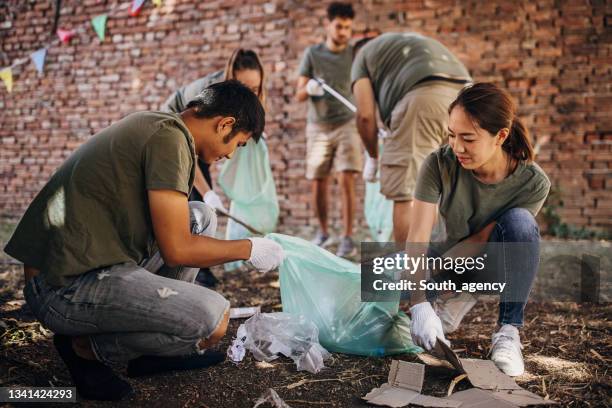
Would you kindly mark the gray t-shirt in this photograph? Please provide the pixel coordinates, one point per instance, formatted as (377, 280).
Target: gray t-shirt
(466, 204)
(94, 210)
(178, 101)
(335, 68)
(395, 62)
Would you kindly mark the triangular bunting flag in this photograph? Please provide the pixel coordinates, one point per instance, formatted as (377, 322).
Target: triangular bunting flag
(99, 25)
(157, 3)
(65, 35)
(38, 58)
(136, 7)
(7, 77)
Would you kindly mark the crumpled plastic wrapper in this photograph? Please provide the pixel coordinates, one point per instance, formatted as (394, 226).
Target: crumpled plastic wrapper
(268, 335)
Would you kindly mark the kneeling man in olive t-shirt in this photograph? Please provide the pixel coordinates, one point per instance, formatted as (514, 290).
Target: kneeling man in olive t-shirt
(111, 246)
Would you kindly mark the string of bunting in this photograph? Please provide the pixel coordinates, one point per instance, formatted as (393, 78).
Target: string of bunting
(64, 35)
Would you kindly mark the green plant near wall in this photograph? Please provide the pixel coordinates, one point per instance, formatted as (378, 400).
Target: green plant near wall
(555, 225)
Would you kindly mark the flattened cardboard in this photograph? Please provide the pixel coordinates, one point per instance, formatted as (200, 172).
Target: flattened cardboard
(478, 398)
(406, 375)
(494, 388)
(485, 374)
(391, 396)
(427, 401)
(433, 361)
(481, 373)
(405, 382)
(442, 350)
(521, 398)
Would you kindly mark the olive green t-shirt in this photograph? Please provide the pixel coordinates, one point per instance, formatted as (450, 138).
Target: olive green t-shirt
(94, 211)
(395, 62)
(178, 101)
(466, 204)
(335, 68)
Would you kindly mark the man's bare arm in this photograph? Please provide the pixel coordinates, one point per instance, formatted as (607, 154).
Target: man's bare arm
(199, 183)
(366, 115)
(300, 94)
(170, 216)
(422, 222)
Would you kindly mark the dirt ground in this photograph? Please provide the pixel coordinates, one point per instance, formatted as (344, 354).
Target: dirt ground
(567, 352)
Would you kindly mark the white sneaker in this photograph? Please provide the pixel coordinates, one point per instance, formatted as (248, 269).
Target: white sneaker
(453, 310)
(322, 240)
(506, 351)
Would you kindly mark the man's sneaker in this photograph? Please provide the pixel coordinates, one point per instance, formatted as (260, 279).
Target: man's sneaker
(453, 310)
(206, 278)
(93, 380)
(346, 247)
(322, 240)
(506, 351)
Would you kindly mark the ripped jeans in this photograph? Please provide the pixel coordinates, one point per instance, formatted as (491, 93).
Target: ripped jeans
(129, 310)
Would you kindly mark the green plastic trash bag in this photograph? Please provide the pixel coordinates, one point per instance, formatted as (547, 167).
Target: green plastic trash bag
(378, 213)
(378, 210)
(246, 179)
(327, 290)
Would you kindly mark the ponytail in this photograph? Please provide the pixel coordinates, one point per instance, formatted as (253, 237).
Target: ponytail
(518, 144)
(242, 59)
(493, 109)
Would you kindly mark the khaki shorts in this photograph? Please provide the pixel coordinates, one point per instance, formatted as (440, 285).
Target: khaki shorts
(418, 127)
(327, 145)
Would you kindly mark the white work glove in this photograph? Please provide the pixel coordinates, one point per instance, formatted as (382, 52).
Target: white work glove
(370, 169)
(313, 88)
(212, 200)
(425, 326)
(382, 133)
(265, 254)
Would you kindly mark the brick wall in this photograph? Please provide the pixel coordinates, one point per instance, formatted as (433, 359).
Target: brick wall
(553, 56)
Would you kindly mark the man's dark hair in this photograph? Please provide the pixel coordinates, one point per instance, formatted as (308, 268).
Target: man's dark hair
(231, 98)
(342, 10)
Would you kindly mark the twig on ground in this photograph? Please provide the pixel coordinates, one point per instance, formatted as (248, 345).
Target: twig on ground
(454, 382)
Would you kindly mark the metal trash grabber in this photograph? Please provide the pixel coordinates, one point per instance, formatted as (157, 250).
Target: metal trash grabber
(239, 221)
(336, 94)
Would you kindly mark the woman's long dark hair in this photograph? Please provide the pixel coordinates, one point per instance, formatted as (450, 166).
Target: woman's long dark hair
(493, 109)
(246, 59)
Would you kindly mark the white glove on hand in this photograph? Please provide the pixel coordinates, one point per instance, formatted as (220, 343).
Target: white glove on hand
(265, 254)
(212, 200)
(313, 88)
(425, 326)
(382, 133)
(370, 169)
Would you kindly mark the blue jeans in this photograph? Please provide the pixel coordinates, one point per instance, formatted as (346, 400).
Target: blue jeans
(517, 263)
(130, 309)
(513, 253)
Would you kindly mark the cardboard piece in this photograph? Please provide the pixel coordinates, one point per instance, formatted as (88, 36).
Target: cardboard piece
(433, 361)
(475, 397)
(493, 388)
(481, 373)
(485, 374)
(404, 386)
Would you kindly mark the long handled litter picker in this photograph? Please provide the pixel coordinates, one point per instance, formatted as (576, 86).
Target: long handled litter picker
(239, 221)
(336, 94)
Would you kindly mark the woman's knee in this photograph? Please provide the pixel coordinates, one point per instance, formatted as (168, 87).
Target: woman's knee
(519, 225)
(203, 219)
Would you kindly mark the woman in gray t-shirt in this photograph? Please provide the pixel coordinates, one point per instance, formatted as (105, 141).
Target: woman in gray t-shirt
(488, 190)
